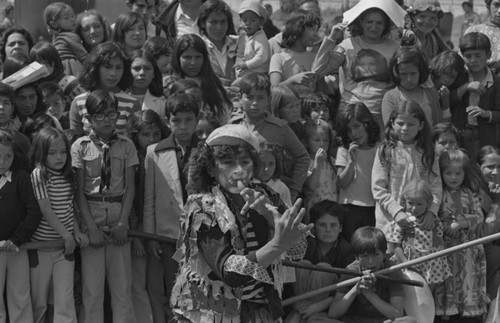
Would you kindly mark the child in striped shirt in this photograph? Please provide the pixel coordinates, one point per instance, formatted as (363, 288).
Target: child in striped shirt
(53, 184)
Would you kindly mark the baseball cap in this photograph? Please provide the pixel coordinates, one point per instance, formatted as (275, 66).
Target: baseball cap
(255, 6)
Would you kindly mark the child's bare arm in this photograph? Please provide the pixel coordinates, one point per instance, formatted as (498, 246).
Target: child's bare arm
(398, 251)
(342, 302)
(346, 174)
(56, 224)
(81, 238)
(319, 161)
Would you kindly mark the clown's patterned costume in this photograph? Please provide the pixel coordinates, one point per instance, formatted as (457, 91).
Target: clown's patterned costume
(219, 278)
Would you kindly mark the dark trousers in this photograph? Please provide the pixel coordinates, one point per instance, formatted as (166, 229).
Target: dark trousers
(161, 278)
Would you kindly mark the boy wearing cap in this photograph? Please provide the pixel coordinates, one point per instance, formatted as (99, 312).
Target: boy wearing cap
(165, 194)
(253, 53)
(233, 234)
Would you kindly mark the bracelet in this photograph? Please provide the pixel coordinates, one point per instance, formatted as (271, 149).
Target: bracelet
(491, 116)
(446, 113)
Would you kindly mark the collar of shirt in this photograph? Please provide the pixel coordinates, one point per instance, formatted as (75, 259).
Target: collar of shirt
(220, 56)
(7, 177)
(212, 46)
(487, 82)
(169, 143)
(185, 24)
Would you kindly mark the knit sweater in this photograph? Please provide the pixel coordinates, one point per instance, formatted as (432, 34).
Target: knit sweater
(389, 180)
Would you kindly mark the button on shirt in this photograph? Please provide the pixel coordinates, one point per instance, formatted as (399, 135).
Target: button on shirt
(184, 23)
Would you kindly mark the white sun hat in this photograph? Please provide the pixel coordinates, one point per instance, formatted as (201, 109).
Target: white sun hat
(390, 7)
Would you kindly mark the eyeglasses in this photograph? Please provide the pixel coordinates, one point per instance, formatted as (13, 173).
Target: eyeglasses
(102, 116)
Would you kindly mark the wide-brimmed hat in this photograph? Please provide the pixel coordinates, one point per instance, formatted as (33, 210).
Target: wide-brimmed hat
(424, 5)
(390, 7)
(233, 135)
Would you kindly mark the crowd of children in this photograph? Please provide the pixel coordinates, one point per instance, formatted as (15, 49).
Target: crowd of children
(232, 155)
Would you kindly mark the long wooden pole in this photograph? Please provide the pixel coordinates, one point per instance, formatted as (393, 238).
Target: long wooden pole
(53, 244)
(291, 300)
(394, 268)
(349, 272)
(150, 236)
(60, 243)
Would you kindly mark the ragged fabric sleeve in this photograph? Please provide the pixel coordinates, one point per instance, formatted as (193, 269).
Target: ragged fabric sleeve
(234, 270)
(298, 250)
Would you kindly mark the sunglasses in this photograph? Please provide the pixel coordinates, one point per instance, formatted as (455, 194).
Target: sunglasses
(102, 116)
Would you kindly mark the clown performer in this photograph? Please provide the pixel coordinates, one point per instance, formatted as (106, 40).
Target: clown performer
(233, 232)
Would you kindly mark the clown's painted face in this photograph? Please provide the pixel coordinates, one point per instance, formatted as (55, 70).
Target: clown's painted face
(234, 172)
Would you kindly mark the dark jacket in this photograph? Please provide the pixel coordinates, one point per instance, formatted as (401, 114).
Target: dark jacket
(166, 21)
(20, 213)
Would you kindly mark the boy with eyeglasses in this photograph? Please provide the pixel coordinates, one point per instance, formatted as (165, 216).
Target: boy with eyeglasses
(104, 163)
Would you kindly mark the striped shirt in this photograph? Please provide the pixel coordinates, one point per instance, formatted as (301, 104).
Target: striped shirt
(254, 289)
(60, 193)
(78, 112)
(70, 86)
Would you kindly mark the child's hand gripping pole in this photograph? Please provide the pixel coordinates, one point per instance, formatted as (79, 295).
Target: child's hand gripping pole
(348, 272)
(8, 246)
(392, 269)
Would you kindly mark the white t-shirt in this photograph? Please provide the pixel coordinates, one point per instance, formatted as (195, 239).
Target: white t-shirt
(365, 74)
(289, 63)
(359, 191)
